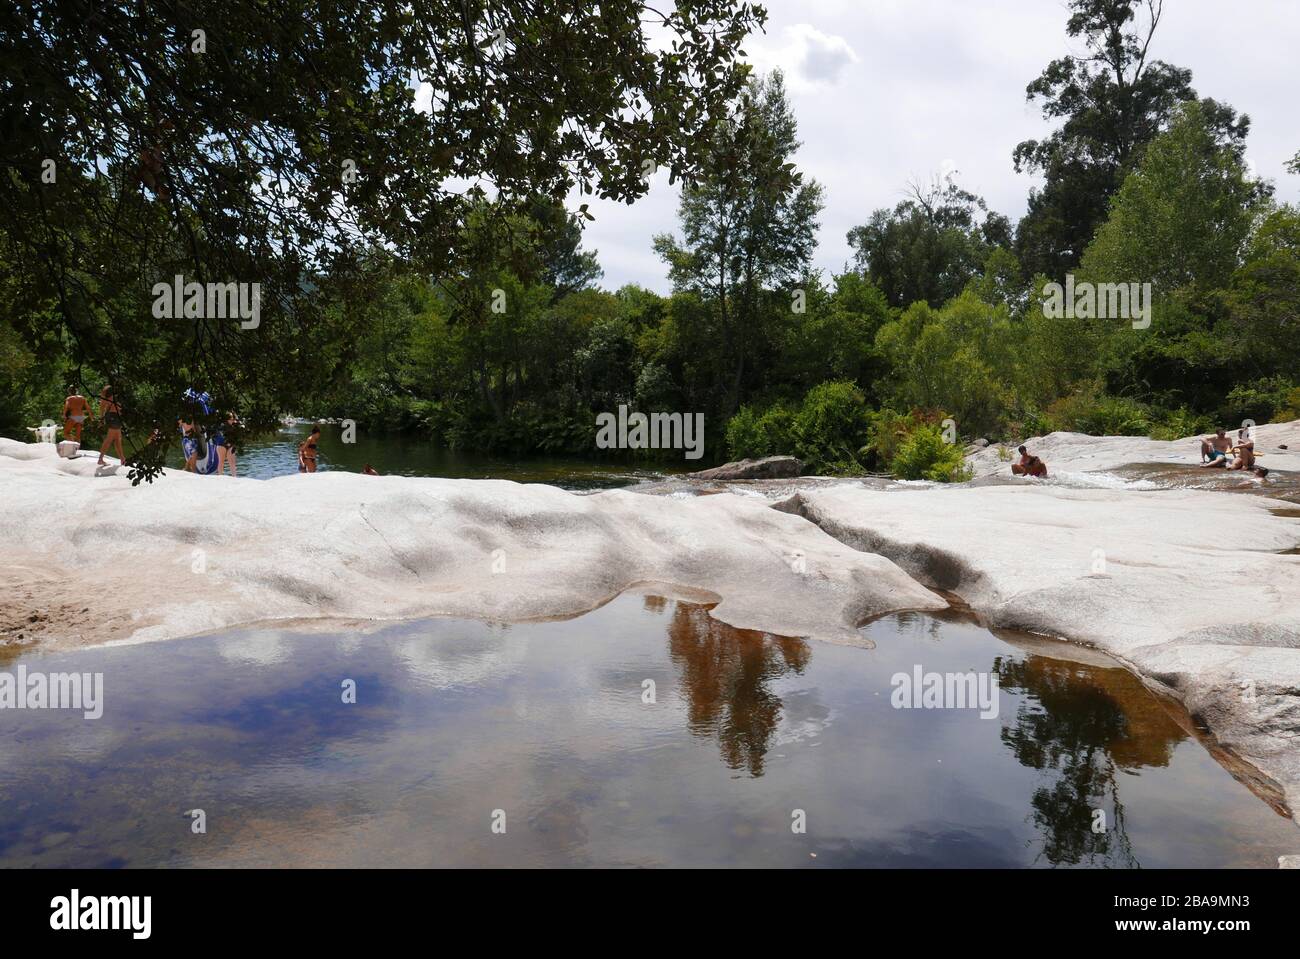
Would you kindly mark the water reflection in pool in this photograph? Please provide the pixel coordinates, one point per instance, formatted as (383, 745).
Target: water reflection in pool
(549, 724)
(276, 454)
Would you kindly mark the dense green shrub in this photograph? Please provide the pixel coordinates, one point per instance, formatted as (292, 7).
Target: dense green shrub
(1090, 411)
(752, 434)
(926, 455)
(888, 431)
(1180, 423)
(830, 427)
(1264, 401)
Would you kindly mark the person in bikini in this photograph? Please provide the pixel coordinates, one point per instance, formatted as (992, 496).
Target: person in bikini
(1244, 454)
(1215, 449)
(111, 411)
(307, 452)
(225, 452)
(1029, 465)
(75, 410)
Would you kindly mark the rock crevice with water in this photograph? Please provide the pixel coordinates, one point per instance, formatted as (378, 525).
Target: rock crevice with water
(1195, 590)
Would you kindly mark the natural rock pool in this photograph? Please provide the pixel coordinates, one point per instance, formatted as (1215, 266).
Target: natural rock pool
(458, 723)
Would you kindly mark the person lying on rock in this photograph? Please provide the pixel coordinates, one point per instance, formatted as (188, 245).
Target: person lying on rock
(1214, 449)
(1029, 465)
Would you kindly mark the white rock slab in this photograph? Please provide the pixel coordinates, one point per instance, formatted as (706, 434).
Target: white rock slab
(1079, 452)
(191, 554)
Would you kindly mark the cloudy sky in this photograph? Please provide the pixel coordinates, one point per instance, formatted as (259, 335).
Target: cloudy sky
(890, 90)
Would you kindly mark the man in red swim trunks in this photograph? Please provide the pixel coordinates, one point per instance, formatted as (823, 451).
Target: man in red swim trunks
(1029, 465)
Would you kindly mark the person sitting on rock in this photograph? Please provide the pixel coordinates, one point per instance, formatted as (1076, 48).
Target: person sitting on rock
(1243, 451)
(1214, 449)
(1242, 455)
(1029, 465)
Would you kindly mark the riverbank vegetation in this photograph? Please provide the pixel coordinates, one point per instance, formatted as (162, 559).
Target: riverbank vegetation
(492, 332)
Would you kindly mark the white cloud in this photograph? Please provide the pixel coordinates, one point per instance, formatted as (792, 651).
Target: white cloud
(889, 91)
(808, 58)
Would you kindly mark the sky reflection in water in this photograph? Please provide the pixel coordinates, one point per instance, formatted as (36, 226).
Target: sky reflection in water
(545, 721)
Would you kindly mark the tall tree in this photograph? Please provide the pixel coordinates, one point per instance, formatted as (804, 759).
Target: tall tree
(748, 228)
(1182, 217)
(1113, 99)
(930, 245)
(282, 143)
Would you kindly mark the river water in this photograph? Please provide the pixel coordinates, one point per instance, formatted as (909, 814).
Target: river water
(277, 455)
(546, 731)
(399, 455)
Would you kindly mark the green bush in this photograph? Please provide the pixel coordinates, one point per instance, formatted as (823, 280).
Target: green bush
(888, 431)
(1119, 416)
(1089, 411)
(751, 434)
(1266, 400)
(1290, 410)
(1180, 423)
(830, 427)
(926, 455)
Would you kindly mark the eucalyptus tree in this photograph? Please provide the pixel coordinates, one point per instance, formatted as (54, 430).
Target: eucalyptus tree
(749, 230)
(1112, 99)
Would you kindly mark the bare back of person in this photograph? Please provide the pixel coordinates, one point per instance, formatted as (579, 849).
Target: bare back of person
(75, 410)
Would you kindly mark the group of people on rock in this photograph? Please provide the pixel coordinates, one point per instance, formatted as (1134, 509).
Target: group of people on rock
(77, 409)
(1217, 452)
(1221, 452)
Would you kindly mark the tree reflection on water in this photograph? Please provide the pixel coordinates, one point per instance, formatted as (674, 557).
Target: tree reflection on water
(1079, 724)
(725, 675)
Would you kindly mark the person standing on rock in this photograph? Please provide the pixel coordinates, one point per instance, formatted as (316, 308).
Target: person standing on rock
(111, 411)
(1029, 465)
(75, 410)
(226, 452)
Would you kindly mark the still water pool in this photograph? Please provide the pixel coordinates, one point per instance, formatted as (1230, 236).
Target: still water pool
(276, 454)
(546, 727)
